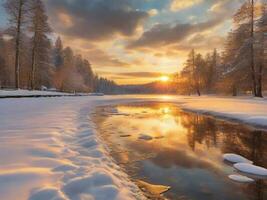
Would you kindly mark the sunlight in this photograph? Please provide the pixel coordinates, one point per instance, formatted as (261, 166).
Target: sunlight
(164, 78)
(166, 110)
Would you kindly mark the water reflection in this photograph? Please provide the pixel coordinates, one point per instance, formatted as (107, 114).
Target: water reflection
(185, 152)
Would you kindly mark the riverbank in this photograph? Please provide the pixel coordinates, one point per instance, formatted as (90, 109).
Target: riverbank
(49, 148)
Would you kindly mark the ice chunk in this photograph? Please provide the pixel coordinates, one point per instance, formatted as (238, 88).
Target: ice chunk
(251, 169)
(152, 189)
(240, 178)
(145, 137)
(234, 158)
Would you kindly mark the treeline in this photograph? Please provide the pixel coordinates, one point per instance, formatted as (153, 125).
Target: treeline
(29, 59)
(240, 67)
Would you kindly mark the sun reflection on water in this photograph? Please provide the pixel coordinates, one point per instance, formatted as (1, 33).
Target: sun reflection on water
(182, 145)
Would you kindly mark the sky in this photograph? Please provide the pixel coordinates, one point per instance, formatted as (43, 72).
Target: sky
(137, 41)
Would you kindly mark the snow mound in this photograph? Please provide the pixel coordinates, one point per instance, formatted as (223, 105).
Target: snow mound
(98, 184)
(234, 158)
(240, 178)
(145, 137)
(251, 169)
(47, 194)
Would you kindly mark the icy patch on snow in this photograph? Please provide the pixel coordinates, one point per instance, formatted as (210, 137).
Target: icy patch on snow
(241, 179)
(234, 158)
(251, 169)
(145, 137)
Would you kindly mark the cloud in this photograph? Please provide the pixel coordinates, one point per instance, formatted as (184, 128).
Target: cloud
(183, 4)
(223, 7)
(97, 54)
(95, 19)
(165, 34)
(101, 59)
(141, 74)
(153, 12)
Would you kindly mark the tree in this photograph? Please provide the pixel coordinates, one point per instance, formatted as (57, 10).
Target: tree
(260, 49)
(192, 71)
(245, 21)
(17, 10)
(58, 53)
(40, 28)
(210, 71)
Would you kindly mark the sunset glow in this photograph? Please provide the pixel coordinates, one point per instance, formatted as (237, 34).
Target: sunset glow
(164, 78)
(152, 36)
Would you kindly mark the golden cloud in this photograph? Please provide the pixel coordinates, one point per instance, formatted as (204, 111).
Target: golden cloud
(183, 4)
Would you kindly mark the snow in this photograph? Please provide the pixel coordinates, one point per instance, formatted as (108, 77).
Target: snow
(10, 93)
(42, 93)
(49, 148)
(252, 111)
(240, 178)
(251, 169)
(234, 158)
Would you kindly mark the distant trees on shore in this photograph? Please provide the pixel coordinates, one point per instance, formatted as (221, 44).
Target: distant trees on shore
(241, 65)
(29, 60)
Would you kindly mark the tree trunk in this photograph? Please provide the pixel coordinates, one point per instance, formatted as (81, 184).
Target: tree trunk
(259, 82)
(254, 82)
(33, 63)
(198, 92)
(234, 91)
(17, 54)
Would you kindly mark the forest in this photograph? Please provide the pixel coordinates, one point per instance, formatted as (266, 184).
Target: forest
(240, 67)
(29, 59)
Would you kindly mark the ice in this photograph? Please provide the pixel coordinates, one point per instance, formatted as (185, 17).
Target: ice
(145, 137)
(240, 178)
(234, 158)
(251, 169)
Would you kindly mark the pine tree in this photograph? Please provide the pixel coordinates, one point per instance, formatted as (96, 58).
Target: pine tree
(58, 53)
(40, 60)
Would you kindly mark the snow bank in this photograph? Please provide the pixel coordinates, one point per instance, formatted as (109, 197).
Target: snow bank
(49, 151)
(39, 93)
(11, 93)
(252, 111)
(251, 169)
(240, 178)
(234, 158)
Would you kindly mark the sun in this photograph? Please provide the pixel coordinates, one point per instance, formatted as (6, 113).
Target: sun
(164, 78)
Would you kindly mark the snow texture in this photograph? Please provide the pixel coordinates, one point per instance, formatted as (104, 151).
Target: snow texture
(234, 158)
(10, 93)
(251, 169)
(49, 148)
(240, 178)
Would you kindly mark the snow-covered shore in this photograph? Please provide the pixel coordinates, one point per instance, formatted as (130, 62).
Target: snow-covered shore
(49, 149)
(29, 93)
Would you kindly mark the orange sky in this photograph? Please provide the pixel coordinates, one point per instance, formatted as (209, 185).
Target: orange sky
(137, 41)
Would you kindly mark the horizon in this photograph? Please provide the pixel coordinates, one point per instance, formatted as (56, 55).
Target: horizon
(137, 42)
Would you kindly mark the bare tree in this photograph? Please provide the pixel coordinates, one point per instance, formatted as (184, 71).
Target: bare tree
(17, 10)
